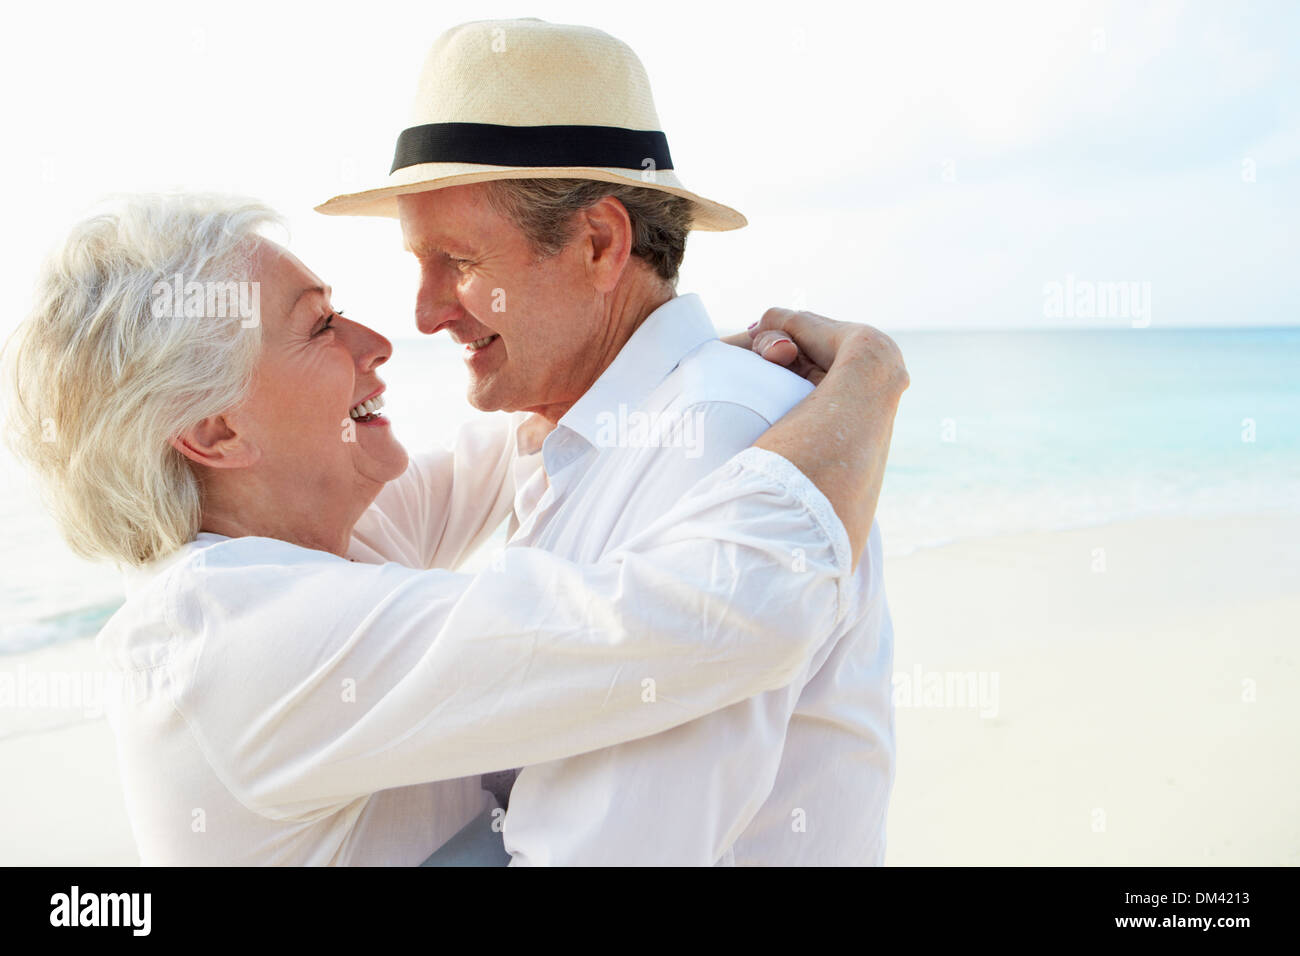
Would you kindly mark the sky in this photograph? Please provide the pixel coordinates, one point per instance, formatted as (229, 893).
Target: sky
(918, 165)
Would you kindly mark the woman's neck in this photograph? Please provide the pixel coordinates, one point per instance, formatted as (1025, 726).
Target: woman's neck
(258, 512)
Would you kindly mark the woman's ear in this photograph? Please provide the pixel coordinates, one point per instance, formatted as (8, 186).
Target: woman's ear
(215, 443)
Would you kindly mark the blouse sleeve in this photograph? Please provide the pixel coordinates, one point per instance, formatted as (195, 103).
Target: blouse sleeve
(450, 500)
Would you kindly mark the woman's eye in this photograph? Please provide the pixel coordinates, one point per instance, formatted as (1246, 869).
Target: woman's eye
(329, 321)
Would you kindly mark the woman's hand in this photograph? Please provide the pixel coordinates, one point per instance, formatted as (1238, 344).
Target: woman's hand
(775, 346)
(807, 343)
(813, 344)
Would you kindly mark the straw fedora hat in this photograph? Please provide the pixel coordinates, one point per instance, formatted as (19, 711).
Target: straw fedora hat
(526, 99)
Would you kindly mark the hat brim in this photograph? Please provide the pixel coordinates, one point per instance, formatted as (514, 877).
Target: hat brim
(709, 216)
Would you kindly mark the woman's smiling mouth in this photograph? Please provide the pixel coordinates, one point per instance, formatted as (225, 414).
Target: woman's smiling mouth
(367, 412)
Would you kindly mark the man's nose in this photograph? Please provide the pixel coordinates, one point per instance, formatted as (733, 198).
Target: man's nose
(435, 303)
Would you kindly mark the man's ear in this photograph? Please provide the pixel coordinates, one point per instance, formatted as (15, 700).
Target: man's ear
(609, 242)
(215, 443)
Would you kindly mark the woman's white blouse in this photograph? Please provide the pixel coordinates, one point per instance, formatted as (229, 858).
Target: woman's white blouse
(280, 705)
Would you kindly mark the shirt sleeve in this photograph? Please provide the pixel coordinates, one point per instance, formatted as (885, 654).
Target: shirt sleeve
(310, 683)
(450, 500)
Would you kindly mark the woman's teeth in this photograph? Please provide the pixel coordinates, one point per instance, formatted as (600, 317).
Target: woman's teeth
(480, 343)
(367, 408)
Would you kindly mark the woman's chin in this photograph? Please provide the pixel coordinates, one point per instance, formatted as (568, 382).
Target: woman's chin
(385, 456)
(403, 461)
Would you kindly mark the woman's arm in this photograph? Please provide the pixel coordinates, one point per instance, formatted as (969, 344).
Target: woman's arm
(449, 501)
(316, 680)
(356, 678)
(839, 435)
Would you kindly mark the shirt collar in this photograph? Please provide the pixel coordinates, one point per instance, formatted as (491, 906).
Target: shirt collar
(667, 335)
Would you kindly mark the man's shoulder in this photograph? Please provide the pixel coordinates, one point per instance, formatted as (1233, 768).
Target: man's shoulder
(717, 372)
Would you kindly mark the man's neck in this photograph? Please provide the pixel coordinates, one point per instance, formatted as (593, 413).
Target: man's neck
(627, 308)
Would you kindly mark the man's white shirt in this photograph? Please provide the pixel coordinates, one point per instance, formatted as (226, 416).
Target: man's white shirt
(799, 775)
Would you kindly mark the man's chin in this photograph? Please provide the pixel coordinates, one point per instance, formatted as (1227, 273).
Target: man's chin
(487, 400)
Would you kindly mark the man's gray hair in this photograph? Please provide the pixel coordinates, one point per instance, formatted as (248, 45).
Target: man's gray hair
(544, 210)
(98, 380)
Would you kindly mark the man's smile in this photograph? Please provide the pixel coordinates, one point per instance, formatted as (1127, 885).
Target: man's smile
(479, 349)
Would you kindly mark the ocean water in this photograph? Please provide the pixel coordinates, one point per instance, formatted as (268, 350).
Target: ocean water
(1005, 432)
(1000, 433)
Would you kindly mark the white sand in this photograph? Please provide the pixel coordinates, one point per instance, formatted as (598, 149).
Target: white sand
(61, 803)
(1120, 693)
(1119, 704)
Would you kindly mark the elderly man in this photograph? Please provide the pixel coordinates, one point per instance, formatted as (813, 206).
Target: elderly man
(536, 189)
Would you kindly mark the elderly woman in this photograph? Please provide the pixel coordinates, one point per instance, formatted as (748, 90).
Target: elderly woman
(289, 692)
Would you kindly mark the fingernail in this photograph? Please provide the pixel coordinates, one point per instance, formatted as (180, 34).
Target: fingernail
(750, 326)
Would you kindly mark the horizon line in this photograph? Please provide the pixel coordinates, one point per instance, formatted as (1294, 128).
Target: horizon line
(1028, 328)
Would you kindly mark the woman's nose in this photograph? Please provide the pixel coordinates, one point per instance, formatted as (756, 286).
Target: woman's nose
(370, 348)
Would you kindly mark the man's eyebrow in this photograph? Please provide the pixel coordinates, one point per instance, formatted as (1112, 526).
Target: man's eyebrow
(426, 248)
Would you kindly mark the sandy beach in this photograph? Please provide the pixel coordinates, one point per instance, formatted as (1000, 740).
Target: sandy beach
(1147, 713)
(1117, 695)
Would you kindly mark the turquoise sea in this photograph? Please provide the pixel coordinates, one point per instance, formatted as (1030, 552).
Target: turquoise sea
(1001, 432)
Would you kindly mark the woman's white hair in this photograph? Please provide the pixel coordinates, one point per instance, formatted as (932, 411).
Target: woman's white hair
(103, 372)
